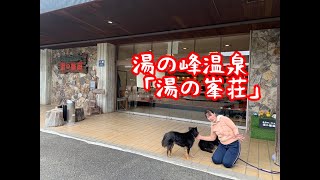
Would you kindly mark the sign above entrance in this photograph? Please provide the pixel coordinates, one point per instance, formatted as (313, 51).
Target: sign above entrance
(73, 63)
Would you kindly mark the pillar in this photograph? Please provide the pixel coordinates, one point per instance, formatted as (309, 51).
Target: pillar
(45, 75)
(106, 73)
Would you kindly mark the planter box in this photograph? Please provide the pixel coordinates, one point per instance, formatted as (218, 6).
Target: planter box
(261, 133)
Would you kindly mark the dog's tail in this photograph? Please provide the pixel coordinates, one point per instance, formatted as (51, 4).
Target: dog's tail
(166, 140)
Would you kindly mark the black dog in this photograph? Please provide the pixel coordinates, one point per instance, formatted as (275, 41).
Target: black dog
(181, 139)
(208, 145)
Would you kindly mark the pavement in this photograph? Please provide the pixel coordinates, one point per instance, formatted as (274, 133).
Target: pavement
(66, 158)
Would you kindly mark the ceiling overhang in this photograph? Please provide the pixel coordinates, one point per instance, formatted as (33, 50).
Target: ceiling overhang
(142, 20)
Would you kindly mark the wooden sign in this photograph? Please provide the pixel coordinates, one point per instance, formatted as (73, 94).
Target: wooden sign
(73, 63)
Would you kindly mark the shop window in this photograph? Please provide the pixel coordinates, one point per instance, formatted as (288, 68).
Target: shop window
(206, 45)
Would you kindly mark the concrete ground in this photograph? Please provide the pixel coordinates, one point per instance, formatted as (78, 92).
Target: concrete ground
(65, 158)
(142, 135)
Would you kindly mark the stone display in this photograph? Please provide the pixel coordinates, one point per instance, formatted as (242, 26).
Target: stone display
(264, 61)
(73, 86)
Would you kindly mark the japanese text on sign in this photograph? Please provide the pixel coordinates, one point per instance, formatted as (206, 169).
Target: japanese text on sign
(74, 64)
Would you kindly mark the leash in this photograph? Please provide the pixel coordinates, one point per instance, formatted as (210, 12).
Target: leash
(265, 170)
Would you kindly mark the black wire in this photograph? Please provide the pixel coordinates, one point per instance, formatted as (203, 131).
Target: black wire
(268, 171)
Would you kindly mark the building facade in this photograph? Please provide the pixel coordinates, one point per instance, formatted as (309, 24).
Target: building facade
(106, 62)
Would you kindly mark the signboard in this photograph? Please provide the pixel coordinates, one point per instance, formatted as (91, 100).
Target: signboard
(73, 64)
(267, 123)
(101, 63)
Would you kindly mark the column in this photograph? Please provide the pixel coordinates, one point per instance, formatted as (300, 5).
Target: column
(45, 75)
(264, 62)
(106, 73)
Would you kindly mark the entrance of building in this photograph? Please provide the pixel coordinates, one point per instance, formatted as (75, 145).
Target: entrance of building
(132, 98)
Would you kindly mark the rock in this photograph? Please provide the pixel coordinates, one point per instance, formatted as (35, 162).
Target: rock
(259, 43)
(79, 113)
(272, 45)
(80, 102)
(274, 51)
(275, 60)
(262, 33)
(86, 107)
(54, 118)
(263, 69)
(255, 79)
(259, 57)
(268, 76)
(274, 68)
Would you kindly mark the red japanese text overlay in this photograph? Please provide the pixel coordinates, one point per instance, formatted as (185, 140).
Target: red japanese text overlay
(212, 64)
(166, 64)
(143, 63)
(190, 87)
(211, 67)
(214, 88)
(167, 87)
(191, 64)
